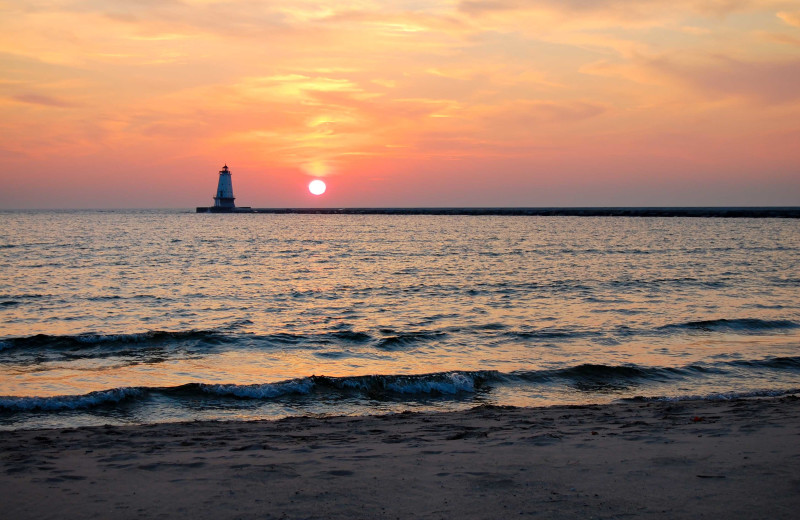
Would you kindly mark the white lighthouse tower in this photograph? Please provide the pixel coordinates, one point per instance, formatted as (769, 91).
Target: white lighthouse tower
(224, 197)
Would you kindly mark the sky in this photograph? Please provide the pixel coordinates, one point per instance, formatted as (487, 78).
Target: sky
(138, 104)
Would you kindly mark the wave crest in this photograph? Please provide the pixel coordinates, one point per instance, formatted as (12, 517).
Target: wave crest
(403, 339)
(741, 325)
(69, 402)
(76, 341)
(261, 391)
(447, 383)
(584, 377)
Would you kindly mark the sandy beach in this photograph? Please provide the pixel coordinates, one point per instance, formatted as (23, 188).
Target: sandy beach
(728, 459)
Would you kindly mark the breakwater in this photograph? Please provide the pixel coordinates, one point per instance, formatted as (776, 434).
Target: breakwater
(719, 212)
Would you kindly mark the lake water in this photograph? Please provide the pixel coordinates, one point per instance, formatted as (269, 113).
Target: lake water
(151, 316)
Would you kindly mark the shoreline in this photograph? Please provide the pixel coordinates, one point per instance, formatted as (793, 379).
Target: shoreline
(737, 458)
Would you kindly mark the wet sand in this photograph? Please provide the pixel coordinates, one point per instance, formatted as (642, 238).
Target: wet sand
(694, 459)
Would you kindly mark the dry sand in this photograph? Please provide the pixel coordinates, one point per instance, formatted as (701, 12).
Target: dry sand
(732, 459)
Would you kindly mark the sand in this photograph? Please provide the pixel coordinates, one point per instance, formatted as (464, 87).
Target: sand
(694, 459)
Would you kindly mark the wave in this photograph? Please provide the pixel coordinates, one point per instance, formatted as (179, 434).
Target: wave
(373, 386)
(351, 336)
(742, 325)
(445, 383)
(76, 341)
(451, 383)
(92, 344)
(436, 383)
(790, 363)
(550, 333)
(262, 391)
(403, 339)
(628, 372)
(583, 378)
(667, 282)
(69, 402)
(380, 339)
(22, 296)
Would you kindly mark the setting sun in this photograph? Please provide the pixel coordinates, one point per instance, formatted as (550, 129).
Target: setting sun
(317, 187)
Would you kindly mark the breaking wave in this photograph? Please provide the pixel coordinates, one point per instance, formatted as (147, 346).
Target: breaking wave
(69, 402)
(263, 391)
(584, 377)
(375, 386)
(446, 383)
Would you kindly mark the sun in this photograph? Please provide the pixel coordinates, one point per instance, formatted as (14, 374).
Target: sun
(317, 187)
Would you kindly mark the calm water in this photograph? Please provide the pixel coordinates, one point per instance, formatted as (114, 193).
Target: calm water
(128, 317)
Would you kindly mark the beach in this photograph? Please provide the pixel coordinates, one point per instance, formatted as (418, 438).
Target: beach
(688, 459)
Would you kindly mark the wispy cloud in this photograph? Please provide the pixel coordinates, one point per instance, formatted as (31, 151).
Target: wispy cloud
(767, 82)
(47, 101)
(791, 18)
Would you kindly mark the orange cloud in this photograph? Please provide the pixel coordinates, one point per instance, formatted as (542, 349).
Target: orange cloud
(792, 19)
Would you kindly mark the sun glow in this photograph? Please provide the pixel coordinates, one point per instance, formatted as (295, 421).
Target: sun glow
(317, 187)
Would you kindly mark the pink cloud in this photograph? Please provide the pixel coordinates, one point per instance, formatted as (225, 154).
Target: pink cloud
(768, 82)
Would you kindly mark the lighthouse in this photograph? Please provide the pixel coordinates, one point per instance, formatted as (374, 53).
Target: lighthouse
(224, 197)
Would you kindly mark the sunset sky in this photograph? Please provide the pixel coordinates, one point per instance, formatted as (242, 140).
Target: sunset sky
(112, 103)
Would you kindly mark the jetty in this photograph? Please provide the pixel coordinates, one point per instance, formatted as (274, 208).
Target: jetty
(738, 212)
